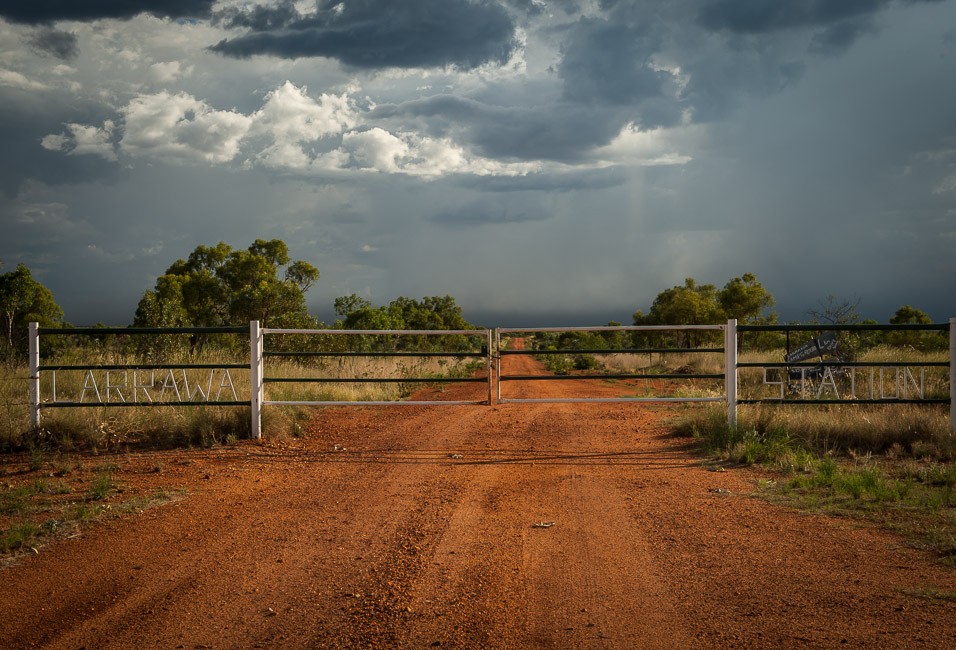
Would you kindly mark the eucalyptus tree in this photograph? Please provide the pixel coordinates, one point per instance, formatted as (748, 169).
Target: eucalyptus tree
(687, 304)
(218, 285)
(919, 340)
(743, 298)
(22, 300)
(429, 313)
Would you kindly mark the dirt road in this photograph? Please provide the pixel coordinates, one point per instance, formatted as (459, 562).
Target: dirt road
(432, 527)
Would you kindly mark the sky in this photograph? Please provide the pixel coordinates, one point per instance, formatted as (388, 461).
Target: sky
(545, 162)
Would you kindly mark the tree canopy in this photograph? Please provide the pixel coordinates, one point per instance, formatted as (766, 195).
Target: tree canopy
(429, 313)
(217, 285)
(919, 340)
(742, 298)
(23, 300)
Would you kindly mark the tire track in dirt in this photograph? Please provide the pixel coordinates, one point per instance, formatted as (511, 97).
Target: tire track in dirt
(496, 580)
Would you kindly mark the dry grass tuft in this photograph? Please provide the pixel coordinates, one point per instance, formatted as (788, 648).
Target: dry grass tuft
(101, 428)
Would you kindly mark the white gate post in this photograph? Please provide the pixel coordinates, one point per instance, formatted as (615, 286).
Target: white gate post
(952, 375)
(498, 364)
(255, 377)
(489, 360)
(34, 354)
(730, 371)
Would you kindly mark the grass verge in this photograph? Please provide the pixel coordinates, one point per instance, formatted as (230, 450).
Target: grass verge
(43, 498)
(99, 428)
(877, 465)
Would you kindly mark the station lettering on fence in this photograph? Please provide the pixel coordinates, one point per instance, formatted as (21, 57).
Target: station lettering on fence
(139, 385)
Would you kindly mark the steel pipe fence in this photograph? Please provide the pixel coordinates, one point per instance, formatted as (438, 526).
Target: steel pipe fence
(114, 379)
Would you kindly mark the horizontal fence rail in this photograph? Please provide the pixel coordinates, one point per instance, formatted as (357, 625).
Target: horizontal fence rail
(103, 331)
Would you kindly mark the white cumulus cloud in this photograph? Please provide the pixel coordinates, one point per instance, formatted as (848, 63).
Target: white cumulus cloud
(375, 149)
(643, 147)
(17, 80)
(83, 139)
(415, 155)
(290, 119)
(183, 128)
(169, 71)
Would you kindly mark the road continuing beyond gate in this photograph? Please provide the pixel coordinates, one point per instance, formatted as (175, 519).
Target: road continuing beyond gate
(515, 526)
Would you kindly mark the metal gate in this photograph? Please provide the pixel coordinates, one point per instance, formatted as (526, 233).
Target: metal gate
(618, 340)
(129, 384)
(479, 349)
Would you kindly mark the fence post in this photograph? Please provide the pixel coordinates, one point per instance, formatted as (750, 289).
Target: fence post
(255, 377)
(952, 375)
(498, 365)
(730, 371)
(34, 354)
(489, 360)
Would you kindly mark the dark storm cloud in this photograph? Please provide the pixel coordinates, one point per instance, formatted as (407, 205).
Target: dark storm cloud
(609, 63)
(22, 126)
(835, 39)
(22, 160)
(378, 33)
(47, 11)
(62, 45)
(838, 24)
(564, 132)
(719, 85)
(659, 64)
(727, 51)
(481, 214)
(590, 179)
(760, 16)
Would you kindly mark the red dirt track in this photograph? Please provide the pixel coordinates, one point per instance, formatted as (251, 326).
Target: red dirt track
(414, 527)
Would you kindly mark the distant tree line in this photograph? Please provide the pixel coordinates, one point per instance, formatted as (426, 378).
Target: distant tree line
(219, 285)
(746, 300)
(429, 313)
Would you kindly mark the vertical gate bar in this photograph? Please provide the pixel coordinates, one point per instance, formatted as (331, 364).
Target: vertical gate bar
(34, 354)
(489, 360)
(498, 362)
(952, 375)
(255, 377)
(730, 371)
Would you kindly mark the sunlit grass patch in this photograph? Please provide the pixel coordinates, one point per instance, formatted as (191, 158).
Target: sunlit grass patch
(36, 505)
(894, 465)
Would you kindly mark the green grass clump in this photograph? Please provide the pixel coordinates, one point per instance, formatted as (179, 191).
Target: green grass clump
(102, 486)
(20, 535)
(41, 508)
(904, 429)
